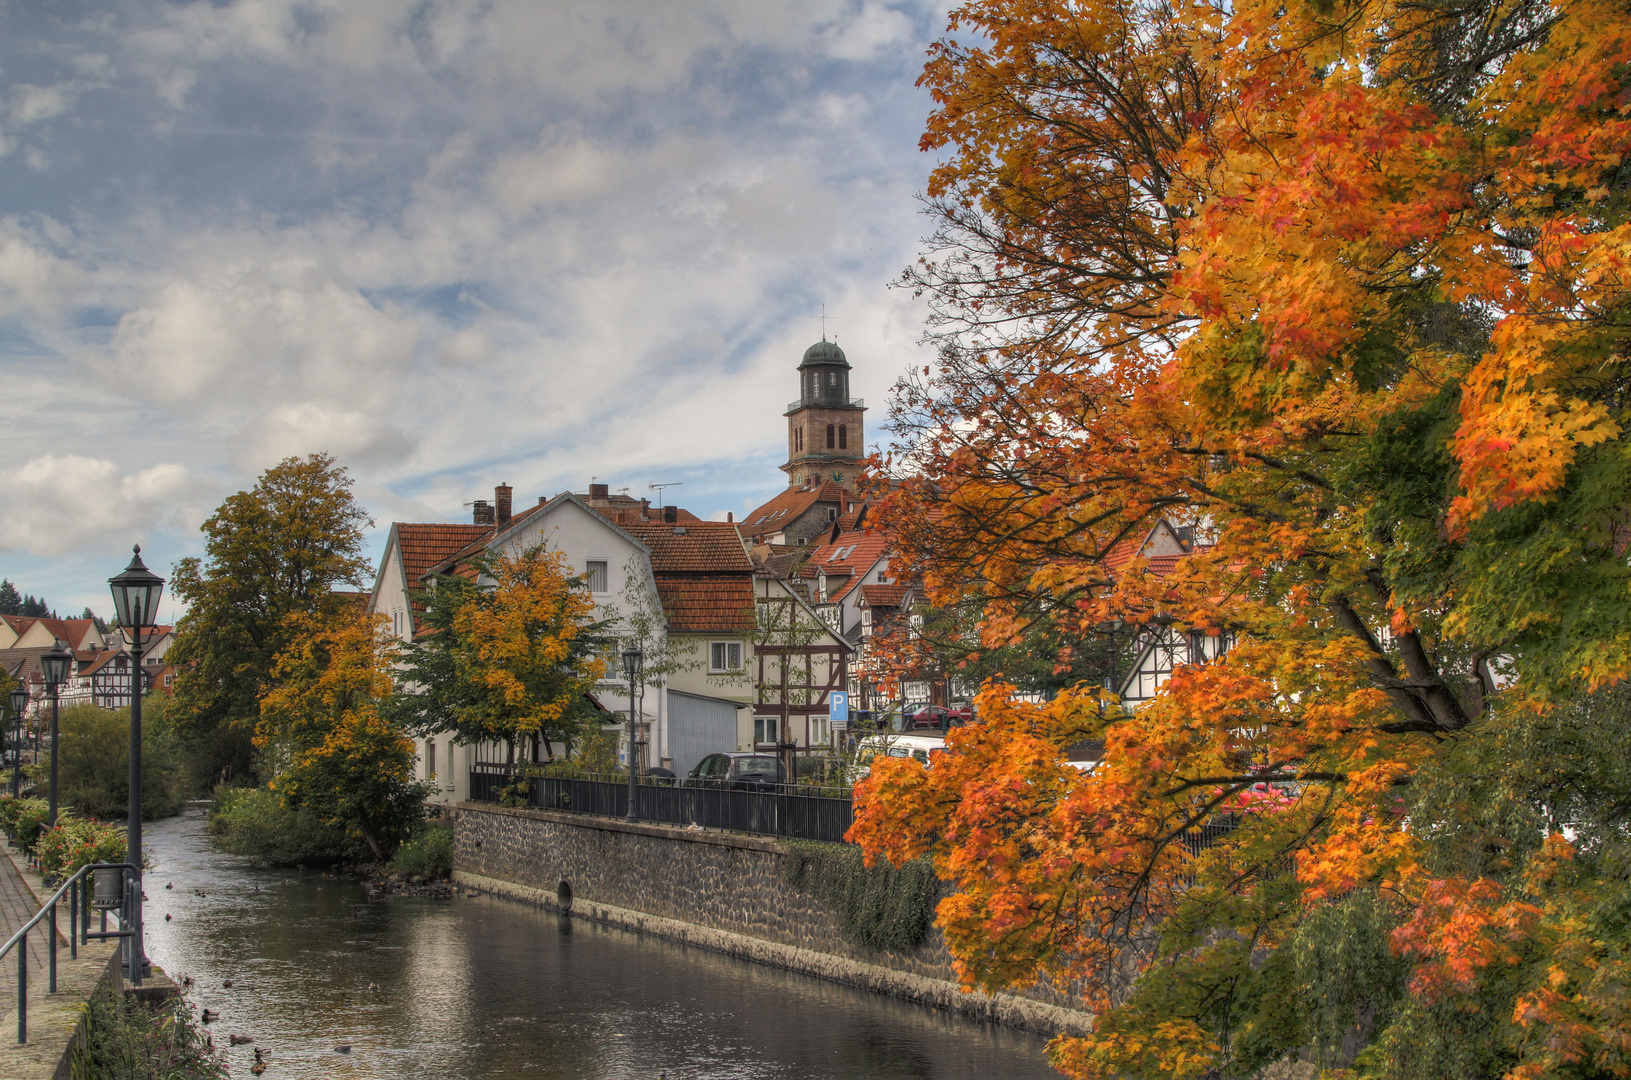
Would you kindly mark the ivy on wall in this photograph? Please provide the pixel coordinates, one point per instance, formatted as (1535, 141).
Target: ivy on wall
(879, 907)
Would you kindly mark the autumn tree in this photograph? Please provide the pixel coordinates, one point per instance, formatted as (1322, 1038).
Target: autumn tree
(329, 748)
(1341, 287)
(505, 655)
(272, 553)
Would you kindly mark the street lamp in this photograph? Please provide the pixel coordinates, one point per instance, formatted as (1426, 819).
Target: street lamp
(56, 663)
(135, 601)
(19, 705)
(631, 668)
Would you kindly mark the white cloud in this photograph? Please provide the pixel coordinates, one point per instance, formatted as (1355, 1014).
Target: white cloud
(454, 243)
(248, 338)
(57, 504)
(32, 279)
(315, 426)
(31, 104)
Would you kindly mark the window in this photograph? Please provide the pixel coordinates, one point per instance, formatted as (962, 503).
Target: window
(430, 759)
(843, 436)
(798, 439)
(914, 624)
(821, 585)
(819, 733)
(596, 573)
(766, 730)
(832, 513)
(830, 437)
(725, 656)
(866, 616)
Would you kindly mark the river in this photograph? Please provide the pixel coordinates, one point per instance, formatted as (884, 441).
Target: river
(473, 987)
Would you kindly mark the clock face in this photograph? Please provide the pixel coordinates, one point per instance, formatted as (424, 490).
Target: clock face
(838, 477)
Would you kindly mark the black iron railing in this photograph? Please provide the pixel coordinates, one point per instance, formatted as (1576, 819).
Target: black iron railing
(77, 889)
(773, 810)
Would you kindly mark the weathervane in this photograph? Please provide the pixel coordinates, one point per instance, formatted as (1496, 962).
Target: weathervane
(824, 317)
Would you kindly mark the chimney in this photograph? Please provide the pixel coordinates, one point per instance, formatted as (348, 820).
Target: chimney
(599, 491)
(501, 503)
(671, 514)
(484, 512)
(730, 517)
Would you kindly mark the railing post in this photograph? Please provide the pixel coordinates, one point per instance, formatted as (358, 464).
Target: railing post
(22, 989)
(73, 918)
(51, 932)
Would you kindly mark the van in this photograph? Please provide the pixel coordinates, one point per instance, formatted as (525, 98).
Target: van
(921, 748)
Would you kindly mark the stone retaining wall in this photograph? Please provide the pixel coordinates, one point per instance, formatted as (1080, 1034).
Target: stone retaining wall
(719, 891)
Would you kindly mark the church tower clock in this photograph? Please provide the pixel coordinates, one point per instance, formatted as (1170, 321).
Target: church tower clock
(824, 432)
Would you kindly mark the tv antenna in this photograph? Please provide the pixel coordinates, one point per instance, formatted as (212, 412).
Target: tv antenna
(658, 488)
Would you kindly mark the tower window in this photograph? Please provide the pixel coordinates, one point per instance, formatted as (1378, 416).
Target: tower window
(843, 436)
(830, 442)
(798, 439)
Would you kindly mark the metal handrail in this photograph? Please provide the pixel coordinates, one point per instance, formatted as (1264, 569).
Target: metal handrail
(79, 928)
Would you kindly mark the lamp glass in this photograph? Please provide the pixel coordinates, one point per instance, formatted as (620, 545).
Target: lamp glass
(55, 664)
(136, 594)
(631, 662)
(19, 701)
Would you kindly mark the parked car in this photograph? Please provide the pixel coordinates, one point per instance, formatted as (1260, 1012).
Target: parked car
(960, 712)
(927, 716)
(741, 772)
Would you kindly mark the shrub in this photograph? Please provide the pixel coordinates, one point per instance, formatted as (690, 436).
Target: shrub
(127, 1037)
(31, 815)
(94, 777)
(77, 842)
(254, 821)
(10, 809)
(879, 907)
(430, 854)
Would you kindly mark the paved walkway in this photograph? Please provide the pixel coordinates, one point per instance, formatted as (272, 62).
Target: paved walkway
(18, 903)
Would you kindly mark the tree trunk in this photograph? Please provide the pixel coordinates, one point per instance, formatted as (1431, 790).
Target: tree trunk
(373, 841)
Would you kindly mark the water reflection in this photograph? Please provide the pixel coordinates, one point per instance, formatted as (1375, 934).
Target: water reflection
(476, 987)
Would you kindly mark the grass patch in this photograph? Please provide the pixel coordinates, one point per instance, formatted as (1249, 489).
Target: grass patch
(126, 1039)
(879, 907)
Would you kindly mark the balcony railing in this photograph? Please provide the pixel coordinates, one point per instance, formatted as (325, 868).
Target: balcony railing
(801, 403)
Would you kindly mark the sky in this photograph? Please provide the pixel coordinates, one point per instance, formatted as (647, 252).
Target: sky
(455, 243)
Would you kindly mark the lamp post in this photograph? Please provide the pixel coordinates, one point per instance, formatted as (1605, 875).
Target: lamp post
(631, 668)
(55, 663)
(135, 602)
(19, 705)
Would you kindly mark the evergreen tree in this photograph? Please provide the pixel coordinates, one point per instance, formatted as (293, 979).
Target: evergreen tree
(11, 602)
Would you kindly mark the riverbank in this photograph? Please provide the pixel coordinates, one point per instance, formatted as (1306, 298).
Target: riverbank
(474, 987)
(727, 893)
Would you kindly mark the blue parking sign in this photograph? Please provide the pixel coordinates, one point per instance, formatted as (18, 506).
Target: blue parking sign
(838, 707)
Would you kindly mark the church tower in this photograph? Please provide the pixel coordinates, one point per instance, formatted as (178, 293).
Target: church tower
(824, 432)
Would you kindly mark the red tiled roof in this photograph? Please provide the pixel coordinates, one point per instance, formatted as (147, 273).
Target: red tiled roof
(848, 557)
(704, 577)
(883, 596)
(707, 603)
(703, 547)
(791, 504)
(423, 546)
(73, 631)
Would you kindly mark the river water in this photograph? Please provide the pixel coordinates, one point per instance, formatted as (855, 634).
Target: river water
(475, 987)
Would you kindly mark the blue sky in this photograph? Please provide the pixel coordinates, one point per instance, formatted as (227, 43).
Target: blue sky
(453, 243)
